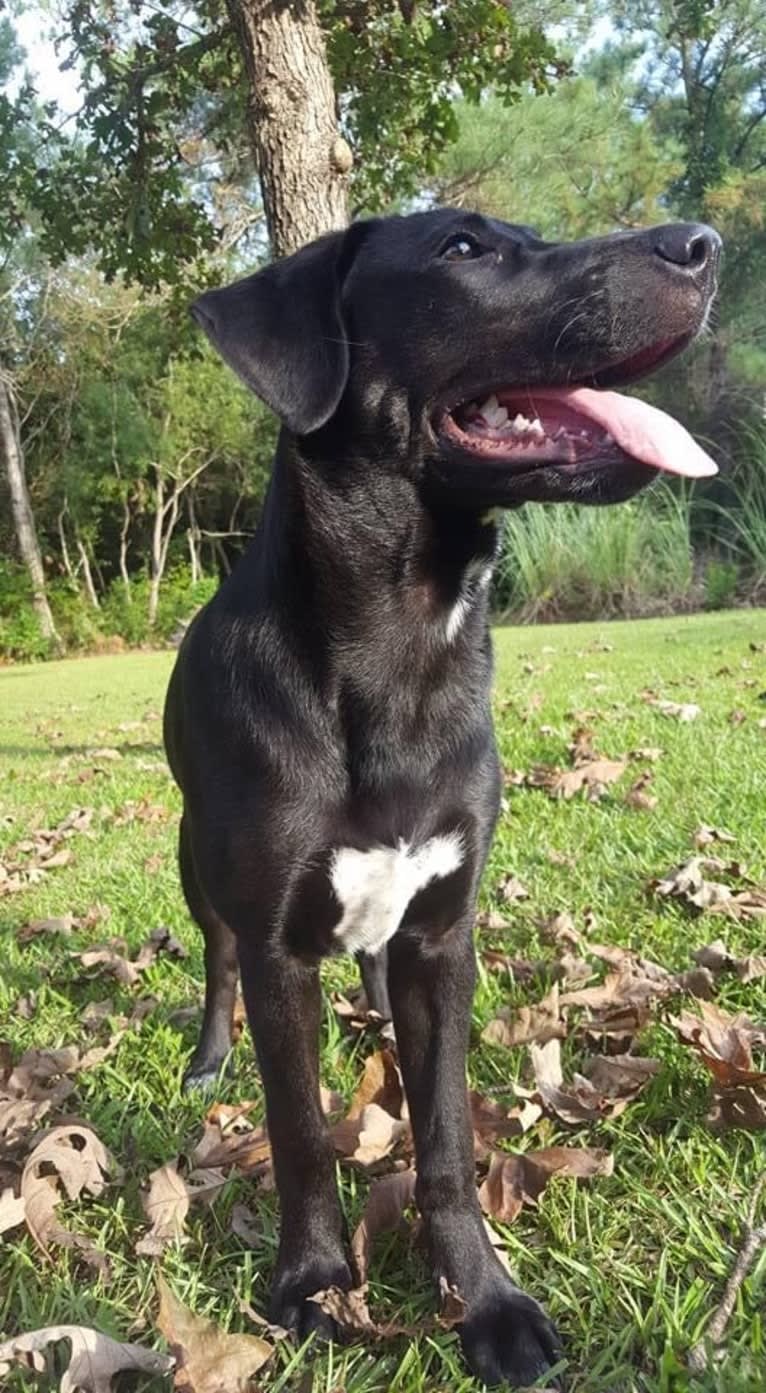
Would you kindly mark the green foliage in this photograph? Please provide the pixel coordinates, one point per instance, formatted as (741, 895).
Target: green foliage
(721, 580)
(126, 614)
(572, 163)
(156, 87)
(566, 562)
(20, 634)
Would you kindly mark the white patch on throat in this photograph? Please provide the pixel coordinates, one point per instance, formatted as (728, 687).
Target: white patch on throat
(477, 578)
(375, 887)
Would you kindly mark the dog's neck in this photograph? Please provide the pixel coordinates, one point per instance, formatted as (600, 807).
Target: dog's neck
(356, 550)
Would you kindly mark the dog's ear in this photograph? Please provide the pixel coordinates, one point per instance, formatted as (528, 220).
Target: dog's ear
(282, 329)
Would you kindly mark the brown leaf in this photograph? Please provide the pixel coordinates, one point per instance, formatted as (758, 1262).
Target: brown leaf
(387, 1201)
(20, 1119)
(208, 1360)
(69, 1160)
(111, 961)
(682, 711)
(12, 1210)
(518, 1027)
(637, 796)
(166, 1206)
(42, 1075)
(230, 1139)
(371, 1137)
(593, 775)
(349, 1310)
(356, 1015)
(717, 958)
(584, 1100)
(160, 940)
(94, 1361)
(514, 1181)
(380, 1084)
(38, 928)
(688, 883)
(704, 835)
(520, 969)
(581, 747)
(493, 1122)
(724, 1043)
(560, 928)
(743, 1107)
(246, 1225)
(511, 889)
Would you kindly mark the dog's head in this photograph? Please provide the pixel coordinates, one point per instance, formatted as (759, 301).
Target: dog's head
(474, 357)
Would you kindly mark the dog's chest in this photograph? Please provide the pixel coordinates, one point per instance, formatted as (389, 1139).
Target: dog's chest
(375, 887)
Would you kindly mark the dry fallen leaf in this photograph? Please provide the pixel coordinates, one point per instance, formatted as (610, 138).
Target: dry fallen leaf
(717, 958)
(166, 1206)
(94, 1361)
(637, 796)
(684, 711)
(230, 1139)
(704, 835)
(371, 1137)
(493, 1122)
(511, 889)
(388, 1199)
(207, 1359)
(518, 1026)
(513, 1181)
(724, 1042)
(381, 1084)
(688, 883)
(592, 775)
(69, 1160)
(12, 1210)
(61, 925)
(613, 1082)
(20, 1119)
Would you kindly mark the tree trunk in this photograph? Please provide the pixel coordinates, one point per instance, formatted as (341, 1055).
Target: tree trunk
(21, 508)
(302, 160)
(125, 528)
(90, 588)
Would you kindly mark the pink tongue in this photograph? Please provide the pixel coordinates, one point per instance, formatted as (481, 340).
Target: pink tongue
(642, 431)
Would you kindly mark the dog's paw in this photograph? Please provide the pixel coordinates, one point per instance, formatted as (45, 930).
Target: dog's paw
(290, 1306)
(507, 1338)
(204, 1075)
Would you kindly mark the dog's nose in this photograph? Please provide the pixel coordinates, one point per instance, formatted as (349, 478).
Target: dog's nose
(691, 246)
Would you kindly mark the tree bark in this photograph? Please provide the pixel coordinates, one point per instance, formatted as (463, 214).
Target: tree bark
(21, 508)
(302, 160)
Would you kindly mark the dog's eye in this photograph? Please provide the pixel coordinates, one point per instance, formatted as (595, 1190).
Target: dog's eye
(461, 247)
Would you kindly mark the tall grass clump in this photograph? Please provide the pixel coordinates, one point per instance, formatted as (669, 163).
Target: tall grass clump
(565, 561)
(743, 517)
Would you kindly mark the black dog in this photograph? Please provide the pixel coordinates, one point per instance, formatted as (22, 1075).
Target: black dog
(328, 719)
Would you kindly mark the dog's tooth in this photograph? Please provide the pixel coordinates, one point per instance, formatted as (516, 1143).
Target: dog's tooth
(537, 429)
(521, 423)
(608, 439)
(501, 416)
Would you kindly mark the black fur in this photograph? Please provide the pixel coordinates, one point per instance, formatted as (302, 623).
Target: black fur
(324, 698)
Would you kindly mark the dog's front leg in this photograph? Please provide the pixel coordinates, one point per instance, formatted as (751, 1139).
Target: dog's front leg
(506, 1335)
(283, 1007)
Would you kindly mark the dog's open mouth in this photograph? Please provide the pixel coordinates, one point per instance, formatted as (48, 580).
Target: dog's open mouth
(572, 428)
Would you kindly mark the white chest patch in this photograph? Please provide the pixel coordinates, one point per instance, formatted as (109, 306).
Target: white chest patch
(374, 887)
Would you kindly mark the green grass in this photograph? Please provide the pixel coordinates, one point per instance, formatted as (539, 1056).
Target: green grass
(629, 1266)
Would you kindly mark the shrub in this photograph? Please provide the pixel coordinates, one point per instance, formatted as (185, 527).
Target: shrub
(721, 580)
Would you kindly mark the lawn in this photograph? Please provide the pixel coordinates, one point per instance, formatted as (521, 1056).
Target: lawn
(629, 1265)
